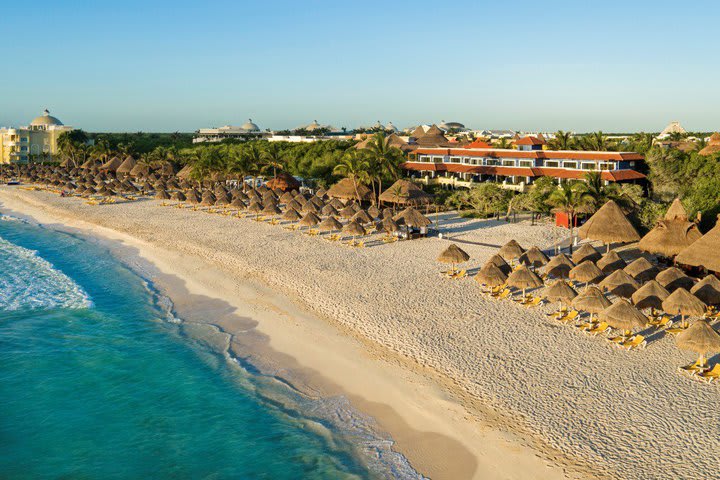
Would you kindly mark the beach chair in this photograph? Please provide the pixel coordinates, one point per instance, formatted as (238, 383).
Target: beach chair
(659, 322)
(636, 341)
(710, 375)
(569, 316)
(535, 302)
(460, 274)
(313, 232)
(504, 294)
(674, 330)
(599, 328)
(693, 368)
(360, 244)
(584, 327)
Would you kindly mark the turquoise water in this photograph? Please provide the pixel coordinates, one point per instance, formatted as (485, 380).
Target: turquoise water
(97, 381)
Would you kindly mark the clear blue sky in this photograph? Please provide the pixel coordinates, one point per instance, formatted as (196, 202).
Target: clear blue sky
(178, 65)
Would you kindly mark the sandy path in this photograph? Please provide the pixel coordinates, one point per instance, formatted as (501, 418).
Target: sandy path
(627, 414)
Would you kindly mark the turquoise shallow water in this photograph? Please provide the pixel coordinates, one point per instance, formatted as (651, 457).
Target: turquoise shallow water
(96, 382)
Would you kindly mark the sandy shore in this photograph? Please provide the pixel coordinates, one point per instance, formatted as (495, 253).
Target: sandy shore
(468, 387)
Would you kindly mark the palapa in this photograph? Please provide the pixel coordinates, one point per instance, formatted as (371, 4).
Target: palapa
(700, 338)
(162, 195)
(411, 218)
(523, 278)
(559, 266)
(283, 182)
(672, 234)
(586, 272)
(511, 251)
(708, 290)
(610, 262)
(126, 166)
(609, 225)
(560, 291)
(500, 262)
(112, 164)
(491, 275)
(309, 220)
(362, 218)
(453, 254)
(354, 229)
(704, 252)
(623, 316)
(585, 252)
(620, 283)
(683, 303)
(330, 224)
(641, 270)
(534, 257)
(291, 215)
(329, 210)
(179, 196)
(347, 212)
(673, 278)
(389, 226)
(271, 209)
(346, 189)
(591, 300)
(405, 192)
(650, 295)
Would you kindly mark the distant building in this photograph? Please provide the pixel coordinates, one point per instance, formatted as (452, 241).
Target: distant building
(35, 141)
(713, 145)
(247, 131)
(673, 127)
(517, 168)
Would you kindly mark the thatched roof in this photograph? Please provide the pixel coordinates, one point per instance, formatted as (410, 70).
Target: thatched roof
(700, 338)
(362, 217)
(609, 225)
(511, 250)
(412, 218)
(112, 164)
(330, 224)
(610, 262)
(676, 211)
(310, 220)
(708, 290)
(345, 189)
(284, 182)
(162, 195)
(591, 300)
(673, 278)
(523, 278)
(432, 138)
(623, 316)
(291, 214)
(620, 283)
(703, 252)
(405, 192)
(559, 291)
(127, 165)
(682, 302)
(185, 172)
(670, 237)
(650, 295)
(585, 252)
(641, 269)
(453, 254)
(586, 272)
(491, 275)
(559, 266)
(354, 228)
(499, 262)
(713, 145)
(534, 257)
(389, 225)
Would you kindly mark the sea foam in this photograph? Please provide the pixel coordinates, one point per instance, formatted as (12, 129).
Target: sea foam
(28, 281)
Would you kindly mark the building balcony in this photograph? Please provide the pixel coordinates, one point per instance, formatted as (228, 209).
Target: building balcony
(458, 183)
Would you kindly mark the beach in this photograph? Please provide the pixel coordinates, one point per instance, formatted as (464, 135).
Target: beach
(467, 386)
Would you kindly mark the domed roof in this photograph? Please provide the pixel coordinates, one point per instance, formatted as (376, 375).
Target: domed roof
(45, 119)
(250, 126)
(313, 126)
(449, 125)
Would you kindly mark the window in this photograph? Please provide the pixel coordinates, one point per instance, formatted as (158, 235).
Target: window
(552, 163)
(455, 160)
(437, 159)
(491, 161)
(525, 163)
(607, 166)
(508, 163)
(588, 166)
(569, 164)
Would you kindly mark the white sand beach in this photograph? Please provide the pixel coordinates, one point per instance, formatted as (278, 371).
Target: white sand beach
(468, 386)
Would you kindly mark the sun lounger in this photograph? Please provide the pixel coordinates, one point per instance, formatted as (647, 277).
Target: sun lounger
(568, 317)
(674, 330)
(504, 294)
(584, 327)
(636, 341)
(710, 375)
(598, 329)
(313, 232)
(535, 302)
(460, 274)
(659, 322)
(694, 368)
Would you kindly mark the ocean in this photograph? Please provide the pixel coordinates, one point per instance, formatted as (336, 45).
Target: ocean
(98, 380)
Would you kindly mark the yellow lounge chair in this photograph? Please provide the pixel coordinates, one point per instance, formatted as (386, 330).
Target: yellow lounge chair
(658, 322)
(504, 294)
(572, 315)
(360, 244)
(636, 341)
(598, 329)
(584, 327)
(710, 375)
(534, 302)
(674, 330)
(460, 274)
(694, 368)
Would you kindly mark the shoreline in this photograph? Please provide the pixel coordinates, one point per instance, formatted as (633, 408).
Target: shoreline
(435, 432)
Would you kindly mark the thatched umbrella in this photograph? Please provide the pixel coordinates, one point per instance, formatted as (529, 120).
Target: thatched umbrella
(524, 278)
(354, 229)
(208, 198)
(609, 225)
(412, 218)
(284, 182)
(330, 224)
(620, 283)
(670, 237)
(703, 252)
(511, 251)
(585, 252)
(591, 300)
(559, 266)
(586, 272)
(708, 290)
(623, 316)
(346, 189)
(362, 218)
(179, 196)
(681, 302)
(560, 292)
(641, 269)
(404, 192)
(256, 208)
(373, 211)
(389, 226)
(309, 220)
(329, 210)
(162, 195)
(337, 204)
(673, 278)
(490, 275)
(453, 255)
(126, 166)
(291, 215)
(534, 257)
(271, 209)
(650, 295)
(500, 262)
(610, 262)
(347, 212)
(699, 338)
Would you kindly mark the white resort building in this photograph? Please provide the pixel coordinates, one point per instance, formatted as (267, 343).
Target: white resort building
(247, 131)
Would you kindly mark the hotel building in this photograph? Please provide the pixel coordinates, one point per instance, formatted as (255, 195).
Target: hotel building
(36, 141)
(247, 131)
(517, 168)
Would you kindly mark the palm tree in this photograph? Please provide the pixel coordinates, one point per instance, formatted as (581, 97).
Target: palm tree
(562, 141)
(571, 199)
(273, 158)
(597, 141)
(384, 159)
(238, 164)
(355, 167)
(503, 143)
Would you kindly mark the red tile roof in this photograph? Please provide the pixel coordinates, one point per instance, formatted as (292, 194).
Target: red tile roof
(539, 154)
(612, 175)
(530, 141)
(478, 144)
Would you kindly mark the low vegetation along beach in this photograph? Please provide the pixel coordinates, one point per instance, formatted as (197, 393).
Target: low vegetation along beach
(469, 385)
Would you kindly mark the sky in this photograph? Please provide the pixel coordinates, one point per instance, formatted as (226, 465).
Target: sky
(128, 65)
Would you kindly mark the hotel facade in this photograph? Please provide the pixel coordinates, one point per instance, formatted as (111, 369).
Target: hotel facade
(516, 169)
(35, 141)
